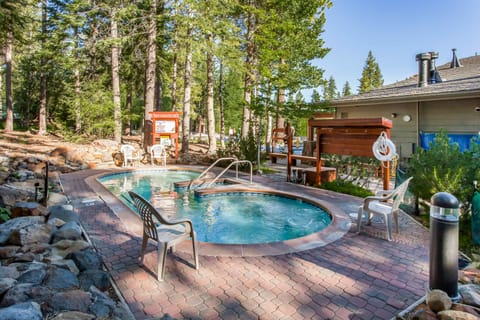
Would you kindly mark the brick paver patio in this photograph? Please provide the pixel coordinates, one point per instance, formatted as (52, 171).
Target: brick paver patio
(359, 276)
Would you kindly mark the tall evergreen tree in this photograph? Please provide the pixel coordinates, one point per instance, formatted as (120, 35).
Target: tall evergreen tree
(346, 91)
(316, 96)
(11, 22)
(371, 75)
(330, 89)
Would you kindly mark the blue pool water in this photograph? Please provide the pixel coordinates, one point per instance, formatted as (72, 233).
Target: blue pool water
(226, 218)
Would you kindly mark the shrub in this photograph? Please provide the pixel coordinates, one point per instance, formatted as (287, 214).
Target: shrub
(346, 187)
(444, 168)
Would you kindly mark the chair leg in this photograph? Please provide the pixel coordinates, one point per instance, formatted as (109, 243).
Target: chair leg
(195, 249)
(162, 256)
(144, 247)
(359, 218)
(395, 217)
(388, 221)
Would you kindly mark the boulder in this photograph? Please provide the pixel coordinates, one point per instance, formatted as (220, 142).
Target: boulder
(94, 277)
(35, 233)
(455, 315)
(22, 311)
(64, 247)
(9, 272)
(35, 276)
(86, 259)
(470, 294)
(438, 300)
(7, 228)
(71, 230)
(6, 284)
(102, 305)
(74, 315)
(25, 209)
(74, 300)
(60, 278)
(63, 212)
(7, 252)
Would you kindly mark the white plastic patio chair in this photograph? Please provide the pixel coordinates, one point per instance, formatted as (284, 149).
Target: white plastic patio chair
(166, 233)
(157, 151)
(129, 154)
(386, 203)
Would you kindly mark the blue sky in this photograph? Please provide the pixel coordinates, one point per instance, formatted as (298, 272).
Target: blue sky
(395, 31)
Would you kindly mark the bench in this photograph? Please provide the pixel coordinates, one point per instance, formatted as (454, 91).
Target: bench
(308, 175)
(295, 157)
(273, 156)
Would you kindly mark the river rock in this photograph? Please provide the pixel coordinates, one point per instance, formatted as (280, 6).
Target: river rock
(94, 277)
(35, 276)
(438, 300)
(25, 209)
(71, 230)
(22, 311)
(6, 284)
(86, 259)
(470, 294)
(63, 212)
(455, 315)
(74, 315)
(7, 228)
(60, 278)
(75, 300)
(35, 233)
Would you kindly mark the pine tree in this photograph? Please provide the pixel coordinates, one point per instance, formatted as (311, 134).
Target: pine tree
(346, 91)
(371, 75)
(330, 89)
(316, 96)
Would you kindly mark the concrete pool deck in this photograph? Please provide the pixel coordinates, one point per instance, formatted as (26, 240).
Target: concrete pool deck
(355, 276)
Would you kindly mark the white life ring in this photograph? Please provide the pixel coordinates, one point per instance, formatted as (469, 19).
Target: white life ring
(384, 149)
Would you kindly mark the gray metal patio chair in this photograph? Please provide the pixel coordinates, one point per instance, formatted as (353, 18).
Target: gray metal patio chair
(386, 203)
(166, 233)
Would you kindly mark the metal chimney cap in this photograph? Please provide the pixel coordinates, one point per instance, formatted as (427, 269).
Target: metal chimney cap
(424, 56)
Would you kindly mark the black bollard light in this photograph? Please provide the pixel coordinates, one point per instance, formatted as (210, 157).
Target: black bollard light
(444, 244)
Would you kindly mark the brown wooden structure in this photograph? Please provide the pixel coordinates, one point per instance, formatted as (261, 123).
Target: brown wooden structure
(163, 125)
(353, 137)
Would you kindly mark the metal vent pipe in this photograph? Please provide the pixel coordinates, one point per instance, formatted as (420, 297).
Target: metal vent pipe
(423, 68)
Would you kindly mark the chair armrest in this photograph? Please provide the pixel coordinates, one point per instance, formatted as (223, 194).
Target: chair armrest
(185, 221)
(383, 193)
(369, 199)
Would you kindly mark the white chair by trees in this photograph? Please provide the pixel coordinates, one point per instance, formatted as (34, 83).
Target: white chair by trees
(129, 154)
(166, 233)
(385, 203)
(157, 151)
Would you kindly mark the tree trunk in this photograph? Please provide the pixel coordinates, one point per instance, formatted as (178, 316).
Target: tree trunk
(78, 110)
(247, 95)
(151, 62)
(279, 120)
(220, 106)
(42, 112)
(174, 61)
(212, 138)
(129, 108)
(117, 112)
(2, 61)
(8, 82)
(187, 95)
(76, 85)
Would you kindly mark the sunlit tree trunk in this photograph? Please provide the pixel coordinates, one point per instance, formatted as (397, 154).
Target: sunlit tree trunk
(76, 75)
(247, 95)
(42, 112)
(151, 61)
(212, 139)
(8, 82)
(187, 95)
(220, 106)
(117, 112)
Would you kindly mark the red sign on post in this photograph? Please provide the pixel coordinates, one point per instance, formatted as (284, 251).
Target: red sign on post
(164, 129)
